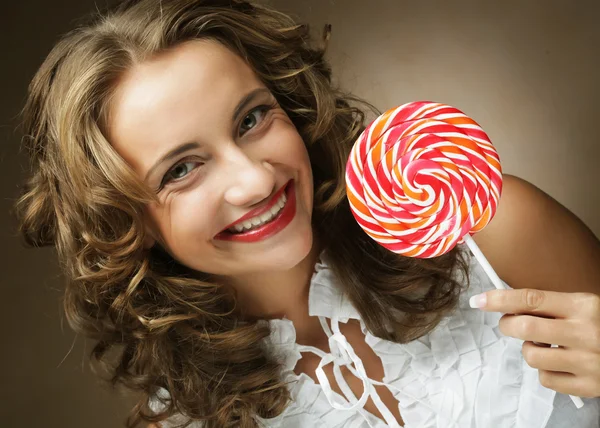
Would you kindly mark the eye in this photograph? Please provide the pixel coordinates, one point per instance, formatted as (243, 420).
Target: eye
(178, 172)
(251, 120)
(182, 169)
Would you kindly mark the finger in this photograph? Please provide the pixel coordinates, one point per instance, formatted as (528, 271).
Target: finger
(567, 383)
(531, 301)
(543, 330)
(551, 359)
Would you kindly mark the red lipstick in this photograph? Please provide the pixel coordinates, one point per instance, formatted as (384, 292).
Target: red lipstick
(283, 218)
(260, 210)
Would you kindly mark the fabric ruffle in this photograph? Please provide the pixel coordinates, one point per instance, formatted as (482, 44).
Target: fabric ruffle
(464, 373)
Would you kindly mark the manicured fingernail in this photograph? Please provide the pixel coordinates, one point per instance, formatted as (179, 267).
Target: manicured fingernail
(478, 301)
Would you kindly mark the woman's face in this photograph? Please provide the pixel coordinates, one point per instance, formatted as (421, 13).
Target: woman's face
(186, 125)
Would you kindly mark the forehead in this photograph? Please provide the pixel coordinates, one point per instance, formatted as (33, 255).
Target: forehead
(190, 89)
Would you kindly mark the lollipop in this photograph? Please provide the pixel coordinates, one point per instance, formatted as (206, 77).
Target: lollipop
(422, 178)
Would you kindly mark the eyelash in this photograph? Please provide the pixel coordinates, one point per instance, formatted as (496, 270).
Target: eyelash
(265, 108)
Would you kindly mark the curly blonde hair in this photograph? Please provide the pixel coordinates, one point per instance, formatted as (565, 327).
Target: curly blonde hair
(176, 328)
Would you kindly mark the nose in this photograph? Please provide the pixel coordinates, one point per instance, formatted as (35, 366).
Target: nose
(252, 182)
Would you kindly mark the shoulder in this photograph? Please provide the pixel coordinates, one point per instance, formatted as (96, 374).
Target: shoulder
(535, 242)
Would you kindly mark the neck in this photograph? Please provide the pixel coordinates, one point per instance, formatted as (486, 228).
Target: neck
(279, 294)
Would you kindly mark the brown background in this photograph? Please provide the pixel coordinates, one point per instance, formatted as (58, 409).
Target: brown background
(527, 71)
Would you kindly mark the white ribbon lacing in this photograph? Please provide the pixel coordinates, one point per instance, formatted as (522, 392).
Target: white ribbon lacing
(342, 354)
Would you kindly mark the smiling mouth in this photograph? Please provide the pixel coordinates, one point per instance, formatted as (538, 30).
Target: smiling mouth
(272, 204)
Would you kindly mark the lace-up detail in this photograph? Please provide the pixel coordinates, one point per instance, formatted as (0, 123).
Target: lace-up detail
(342, 354)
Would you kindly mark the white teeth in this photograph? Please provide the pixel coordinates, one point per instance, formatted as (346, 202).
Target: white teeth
(274, 210)
(259, 220)
(266, 216)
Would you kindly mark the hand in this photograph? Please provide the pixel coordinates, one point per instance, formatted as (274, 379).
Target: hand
(569, 320)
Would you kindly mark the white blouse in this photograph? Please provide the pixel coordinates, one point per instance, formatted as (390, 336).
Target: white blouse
(463, 374)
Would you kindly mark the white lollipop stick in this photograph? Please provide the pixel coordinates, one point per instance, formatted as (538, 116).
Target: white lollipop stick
(491, 273)
(487, 267)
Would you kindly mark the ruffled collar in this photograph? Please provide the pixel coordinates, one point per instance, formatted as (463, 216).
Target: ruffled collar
(465, 359)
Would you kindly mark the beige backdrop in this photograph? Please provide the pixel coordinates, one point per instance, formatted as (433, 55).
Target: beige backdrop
(527, 71)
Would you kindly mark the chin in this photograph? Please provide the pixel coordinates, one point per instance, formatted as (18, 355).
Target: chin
(290, 255)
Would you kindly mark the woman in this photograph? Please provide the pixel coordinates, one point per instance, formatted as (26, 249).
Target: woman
(188, 165)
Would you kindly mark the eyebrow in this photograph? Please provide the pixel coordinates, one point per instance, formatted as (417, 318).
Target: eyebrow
(184, 147)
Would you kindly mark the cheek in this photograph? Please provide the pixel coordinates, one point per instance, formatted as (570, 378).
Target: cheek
(292, 147)
(186, 221)
(296, 156)
(301, 162)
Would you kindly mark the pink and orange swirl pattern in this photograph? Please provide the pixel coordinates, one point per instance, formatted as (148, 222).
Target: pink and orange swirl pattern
(421, 177)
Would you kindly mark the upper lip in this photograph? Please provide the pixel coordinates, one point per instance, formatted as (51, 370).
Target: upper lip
(260, 210)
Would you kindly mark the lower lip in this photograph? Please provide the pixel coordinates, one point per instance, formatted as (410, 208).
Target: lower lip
(283, 218)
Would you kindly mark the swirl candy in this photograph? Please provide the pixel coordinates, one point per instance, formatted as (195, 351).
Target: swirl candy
(421, 178)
